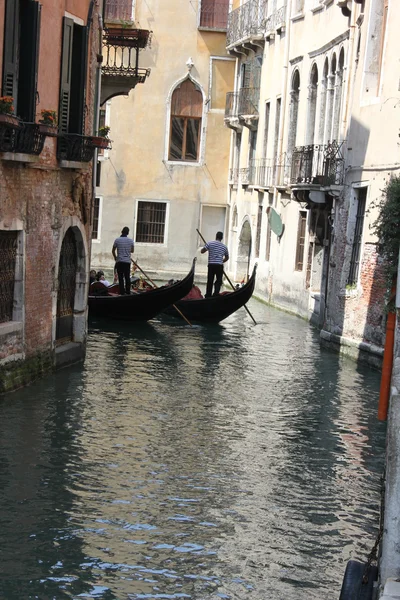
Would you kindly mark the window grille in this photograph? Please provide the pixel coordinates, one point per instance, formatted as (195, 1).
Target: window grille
(358, 231)
(8, 255)
(96, 215)
(150, 227)
(214, 14)
(301, 237)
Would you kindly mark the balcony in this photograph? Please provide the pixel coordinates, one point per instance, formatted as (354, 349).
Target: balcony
(23, 138)
(318, 165)
(233, 176)
(247, 175)
(118, 10)
(75, 148)
(120, 68)
(214, 16)
(263, 172)
(241, 108)
(275, 23)
(246, 23)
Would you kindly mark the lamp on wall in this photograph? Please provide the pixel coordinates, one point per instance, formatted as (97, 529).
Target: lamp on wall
(189, 63)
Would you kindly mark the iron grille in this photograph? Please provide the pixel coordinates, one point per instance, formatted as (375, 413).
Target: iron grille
(66, 287)
(122, 60)
(75, 147)
(118, 10)
(318, 164)
(248, 101)
(150, 226)
(233, 175)
(263, 172)
(246, 21)
(214, 15)
(358, 231)
(25, 139)
(8, 255)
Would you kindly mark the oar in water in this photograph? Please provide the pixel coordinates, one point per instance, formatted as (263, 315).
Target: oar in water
(230, 282)
(156, 286)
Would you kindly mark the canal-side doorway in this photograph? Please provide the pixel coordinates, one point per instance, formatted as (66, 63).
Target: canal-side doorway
(66, 288)
(244, 253)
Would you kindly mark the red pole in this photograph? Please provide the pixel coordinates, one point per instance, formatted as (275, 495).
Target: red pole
(384, 394)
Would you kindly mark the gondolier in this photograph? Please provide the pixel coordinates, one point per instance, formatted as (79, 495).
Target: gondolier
(217, 255)
(121, 251)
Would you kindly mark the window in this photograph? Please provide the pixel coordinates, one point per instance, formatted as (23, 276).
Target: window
(8, 259)
(293, 112)
(222, 81)
(358, 231)
(104, 120)
(252, 155)
(298, 6)
(186, 113)
(266, 128)
(20, 57)
(214, 14)
(73, 77)
(301, 237)
(382, 40)
(375, 48)
(119, 10)
(268, 238)
(150, 222)
(258, 232)
(96, 219)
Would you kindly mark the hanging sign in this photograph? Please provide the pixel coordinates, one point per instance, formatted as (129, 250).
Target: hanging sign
(275, 222)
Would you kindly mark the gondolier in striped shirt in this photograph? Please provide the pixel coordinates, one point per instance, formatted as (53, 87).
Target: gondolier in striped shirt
(121, 251)
(217, 255)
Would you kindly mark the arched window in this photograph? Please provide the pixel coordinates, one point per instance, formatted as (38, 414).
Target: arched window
(293, 111)
(322, 109)
(312, 105)
(185, 131)
(338, 97)
(330, 101)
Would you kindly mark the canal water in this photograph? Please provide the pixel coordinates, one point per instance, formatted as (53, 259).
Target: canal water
(221, 462)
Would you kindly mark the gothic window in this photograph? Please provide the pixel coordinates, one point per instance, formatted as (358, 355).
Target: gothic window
(293, 111)
(186, 116)
(312, 105)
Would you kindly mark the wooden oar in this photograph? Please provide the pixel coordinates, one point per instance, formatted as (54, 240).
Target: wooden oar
(156, 286)
(231, 284)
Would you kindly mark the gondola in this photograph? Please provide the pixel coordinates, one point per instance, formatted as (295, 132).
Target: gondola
(138, 306)
(216, 308)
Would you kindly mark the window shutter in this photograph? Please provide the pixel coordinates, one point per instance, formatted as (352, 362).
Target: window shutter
(28, 60)
(78, 80)
(65, 77)
(10, 55)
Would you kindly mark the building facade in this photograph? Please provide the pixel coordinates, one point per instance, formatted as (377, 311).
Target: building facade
(310, 113)
(50, 84)
(166, 174)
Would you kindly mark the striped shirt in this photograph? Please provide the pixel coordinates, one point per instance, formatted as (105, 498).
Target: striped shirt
(216, 252)
(124, 246)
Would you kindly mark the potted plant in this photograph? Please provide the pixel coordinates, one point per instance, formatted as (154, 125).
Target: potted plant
(7, 116)
(48, 122)
(102, 140)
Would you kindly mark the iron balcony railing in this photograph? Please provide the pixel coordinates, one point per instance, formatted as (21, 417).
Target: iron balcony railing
(214, 16)
(318, 164)
(122, 60)
(275, 20)
(247, 21)
(75, 147)
(118, 10)
(263, 171)
(23, 139)
(233, 175)
(242, 103)
(247, 175)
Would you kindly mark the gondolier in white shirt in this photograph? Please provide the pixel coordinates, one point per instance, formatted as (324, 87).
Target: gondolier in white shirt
(121, 251)
(217, 255)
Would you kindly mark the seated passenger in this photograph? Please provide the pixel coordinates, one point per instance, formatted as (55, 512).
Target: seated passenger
(100, 277)
(92, 276)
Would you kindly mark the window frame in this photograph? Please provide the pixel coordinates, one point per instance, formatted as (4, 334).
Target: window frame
(164, 244)
(16, 323)
(356, 250)
(97, 239)
(184, 140)
(300, 247)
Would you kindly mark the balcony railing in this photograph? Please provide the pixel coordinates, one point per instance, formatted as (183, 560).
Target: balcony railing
(214, 16)
(23, 139)
(263, 171)
(122, 60)
(233, 175)
(246, 22)
(275, 20)
(242, 103)
(318, 164)
(118, 10)
(75, 147)
(247, 175)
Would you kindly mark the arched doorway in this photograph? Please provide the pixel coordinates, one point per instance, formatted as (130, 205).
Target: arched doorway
(66, 288)
(244, 252)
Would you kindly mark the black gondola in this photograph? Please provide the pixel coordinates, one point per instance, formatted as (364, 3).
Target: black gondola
(140, 306)
(216, 308)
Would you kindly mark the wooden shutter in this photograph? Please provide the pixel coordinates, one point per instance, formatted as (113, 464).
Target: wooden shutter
(10, 55)
(187, 100)
(78, 80)
(65, 76)
(28, 60)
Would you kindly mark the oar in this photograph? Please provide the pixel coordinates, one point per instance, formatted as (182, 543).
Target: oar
(230, 282)
(156, 286)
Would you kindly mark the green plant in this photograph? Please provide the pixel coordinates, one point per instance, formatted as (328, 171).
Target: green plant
(386, 228)
(6, 105)
(48, 117)
(351, 286)
(104, 131)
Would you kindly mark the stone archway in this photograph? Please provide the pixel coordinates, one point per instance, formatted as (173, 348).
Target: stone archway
(244, 252)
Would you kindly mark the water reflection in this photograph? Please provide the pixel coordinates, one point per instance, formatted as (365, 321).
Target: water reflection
(209, 462)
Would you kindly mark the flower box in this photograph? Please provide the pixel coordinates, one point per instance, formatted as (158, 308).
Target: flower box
(100, 142)
(9, 120)
(48, 130)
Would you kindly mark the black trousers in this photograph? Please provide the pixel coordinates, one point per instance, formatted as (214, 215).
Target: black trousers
(124, 277)
(217, 272)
